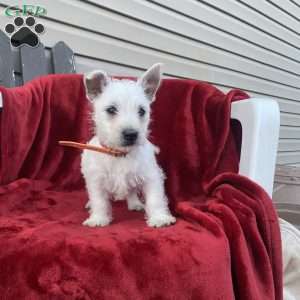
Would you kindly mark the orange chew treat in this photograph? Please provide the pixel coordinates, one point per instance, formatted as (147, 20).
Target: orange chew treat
(107, 150)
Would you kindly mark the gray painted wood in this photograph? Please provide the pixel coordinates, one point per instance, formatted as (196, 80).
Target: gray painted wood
(6, 61)
(17, 69)
(286, 191)
(63, 58)
(19, 65)
(33, 62)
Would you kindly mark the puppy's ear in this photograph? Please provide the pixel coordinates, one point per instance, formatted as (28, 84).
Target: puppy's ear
(95, 83)
(150, 81)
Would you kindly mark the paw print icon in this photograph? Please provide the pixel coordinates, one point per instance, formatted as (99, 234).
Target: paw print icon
(24, 31)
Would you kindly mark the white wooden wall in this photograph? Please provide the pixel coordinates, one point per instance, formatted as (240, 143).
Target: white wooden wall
(249, 44)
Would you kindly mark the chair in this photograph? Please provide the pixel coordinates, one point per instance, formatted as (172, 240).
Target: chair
(260, 121)
(259, 117)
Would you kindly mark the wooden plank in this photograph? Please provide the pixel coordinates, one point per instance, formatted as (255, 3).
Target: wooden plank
(84, 64)
(63, 58)
(17, 66)
(289, 132)
(109, 49)
(295, 2)
(145, 12)
(288, 7)
(288, 157)
(249, 16)
(6, 61)
(287, 180)
(287, 211)
(295, 165)
(289, 106)
(290, 119)
(288, 171)
(120, 27)
(213, 17)
(273, 13)
(49, 62)
(289, 145)
(33, 61)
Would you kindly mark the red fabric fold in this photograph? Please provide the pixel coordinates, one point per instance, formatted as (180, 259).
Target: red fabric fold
(225, 244)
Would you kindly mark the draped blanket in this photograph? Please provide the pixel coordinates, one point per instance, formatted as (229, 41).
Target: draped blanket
(225, 244)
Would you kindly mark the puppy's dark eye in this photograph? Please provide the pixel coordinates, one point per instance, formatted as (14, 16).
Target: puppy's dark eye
(141, 112)
(111, 110)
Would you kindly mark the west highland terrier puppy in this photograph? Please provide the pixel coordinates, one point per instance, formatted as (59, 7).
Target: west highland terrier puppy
(121, 113)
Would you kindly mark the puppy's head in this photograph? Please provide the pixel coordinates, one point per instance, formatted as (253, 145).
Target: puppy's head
(122, 107)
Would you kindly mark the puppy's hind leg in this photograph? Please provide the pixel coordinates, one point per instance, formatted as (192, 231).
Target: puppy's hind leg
(99, 205)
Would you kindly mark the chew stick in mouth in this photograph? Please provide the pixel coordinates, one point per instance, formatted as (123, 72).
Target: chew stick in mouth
(102, 149)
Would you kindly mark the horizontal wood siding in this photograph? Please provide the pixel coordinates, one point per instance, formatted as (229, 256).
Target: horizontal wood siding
(253, 45)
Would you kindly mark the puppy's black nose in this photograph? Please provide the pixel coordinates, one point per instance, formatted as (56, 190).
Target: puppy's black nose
(129, 136)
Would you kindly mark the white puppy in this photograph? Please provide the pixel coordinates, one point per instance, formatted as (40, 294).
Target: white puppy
(121, 113)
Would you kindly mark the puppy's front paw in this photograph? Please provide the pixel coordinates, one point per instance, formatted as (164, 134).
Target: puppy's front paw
(161, 220)
(96, 220)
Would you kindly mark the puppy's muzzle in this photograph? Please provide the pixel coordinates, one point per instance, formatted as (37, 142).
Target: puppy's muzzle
(129, 137)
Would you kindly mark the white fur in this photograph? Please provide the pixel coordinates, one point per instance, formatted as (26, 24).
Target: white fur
(108, 177)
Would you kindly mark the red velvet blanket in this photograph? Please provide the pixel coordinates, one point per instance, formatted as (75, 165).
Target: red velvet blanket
(225, 244)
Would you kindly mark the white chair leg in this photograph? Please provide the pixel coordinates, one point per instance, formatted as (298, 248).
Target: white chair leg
(260, 120)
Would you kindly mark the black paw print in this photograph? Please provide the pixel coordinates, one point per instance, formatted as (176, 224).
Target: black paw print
(24, 33)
